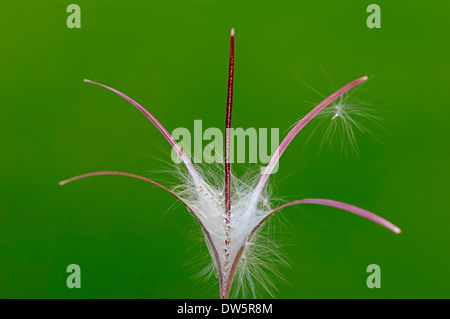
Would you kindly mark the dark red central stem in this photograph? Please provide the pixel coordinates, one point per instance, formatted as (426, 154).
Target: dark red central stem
(228, 126)
(227, 169)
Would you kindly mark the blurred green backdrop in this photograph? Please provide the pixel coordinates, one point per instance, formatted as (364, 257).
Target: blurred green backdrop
(172, 56)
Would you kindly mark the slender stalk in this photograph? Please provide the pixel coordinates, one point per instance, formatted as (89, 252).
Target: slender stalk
(327, 202)
(227, 159)
(72, 179)
(344, 206)
(159, 126)
(297, 128)
(208, 236)
(332, 203)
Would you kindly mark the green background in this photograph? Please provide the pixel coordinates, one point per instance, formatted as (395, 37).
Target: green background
(172, 57)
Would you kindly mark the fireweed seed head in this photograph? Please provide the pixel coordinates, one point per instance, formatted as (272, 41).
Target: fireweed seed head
(231, 210)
